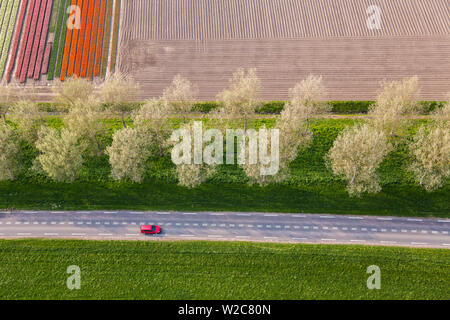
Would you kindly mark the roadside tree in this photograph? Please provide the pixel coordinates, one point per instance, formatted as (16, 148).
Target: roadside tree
(84, 120)
(60, 154)
(73, 91)
(128, 154)
(9, 94)
(153, 119)
(430, 151)
(241, 98)
(10, 154)
(292, 138)
(307, 98)
(397, 100)
(190, 174)
(118, 92)
(180, 96)
(28, 117)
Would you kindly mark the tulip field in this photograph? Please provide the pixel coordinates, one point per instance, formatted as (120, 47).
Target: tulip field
(57, 38)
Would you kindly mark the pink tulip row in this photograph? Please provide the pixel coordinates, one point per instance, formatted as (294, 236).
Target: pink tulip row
(34, 39)
(31, 39)
(48, 51)
(15, 44)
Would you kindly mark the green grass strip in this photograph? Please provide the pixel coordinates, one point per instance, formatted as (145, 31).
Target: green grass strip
(4, 39)
(55, 12)
(112, 63)
(8, 37)
(197, 270)
(106, 38)
(58, 45)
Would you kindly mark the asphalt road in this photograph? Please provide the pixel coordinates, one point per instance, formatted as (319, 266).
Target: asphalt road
(269, 227)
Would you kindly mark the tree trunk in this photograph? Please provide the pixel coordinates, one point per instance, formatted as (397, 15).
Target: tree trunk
(10, 173)
(422, 179)
(354, 176)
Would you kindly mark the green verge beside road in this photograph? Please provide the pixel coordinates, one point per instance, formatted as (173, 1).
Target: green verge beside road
(36, 269)
(311, 187)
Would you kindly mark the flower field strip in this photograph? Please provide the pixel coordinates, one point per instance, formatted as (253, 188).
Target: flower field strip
(93, 42)
(106, 36)
(115, 36)
(73, 47)
(29, 46)
(48, 50)
(52, 64)
(68, 42)
(81, 35)
(25, 37)
(87, 37)
(5, 17)
(37, 37)
(43, 40)
(101, 28)
(15, 44)
(8, 37)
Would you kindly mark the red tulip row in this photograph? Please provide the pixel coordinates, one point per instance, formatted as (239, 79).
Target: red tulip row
(25, 37)
(38, 36)
(15, 44)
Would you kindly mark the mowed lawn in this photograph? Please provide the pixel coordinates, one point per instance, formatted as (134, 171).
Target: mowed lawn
(36, 269)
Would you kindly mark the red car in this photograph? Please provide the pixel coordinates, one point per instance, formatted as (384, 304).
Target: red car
(150, 229)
